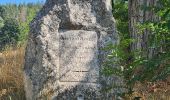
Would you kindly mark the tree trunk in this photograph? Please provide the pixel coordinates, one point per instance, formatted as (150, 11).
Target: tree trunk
(137, 15)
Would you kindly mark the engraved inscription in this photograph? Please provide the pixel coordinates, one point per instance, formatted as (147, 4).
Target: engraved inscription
(78, 56)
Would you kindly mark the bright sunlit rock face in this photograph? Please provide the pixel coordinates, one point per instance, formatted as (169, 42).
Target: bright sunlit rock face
(64, 54)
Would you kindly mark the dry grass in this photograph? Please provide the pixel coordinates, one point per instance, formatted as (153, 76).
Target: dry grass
(11, 74)
(12, 85)
(152, 91)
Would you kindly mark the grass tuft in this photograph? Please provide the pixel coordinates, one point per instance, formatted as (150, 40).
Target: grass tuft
(11, 74)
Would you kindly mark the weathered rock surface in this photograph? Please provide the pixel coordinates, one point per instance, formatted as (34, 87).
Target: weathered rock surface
(63, 55)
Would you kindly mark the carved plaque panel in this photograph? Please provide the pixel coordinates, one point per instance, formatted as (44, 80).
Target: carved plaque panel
(78, 56)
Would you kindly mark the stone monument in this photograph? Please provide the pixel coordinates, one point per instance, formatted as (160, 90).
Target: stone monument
(64, 54)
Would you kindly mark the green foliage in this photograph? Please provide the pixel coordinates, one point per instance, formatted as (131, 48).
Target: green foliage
(24, 26)
(119, 54)
(14, 22)
(8, 11)
(2, 11)
(120, 12)
(157, 67)
(135, 66)
(1, 22)
(10, 32)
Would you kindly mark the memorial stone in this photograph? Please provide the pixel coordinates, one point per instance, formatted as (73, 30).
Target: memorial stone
(64, 54)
